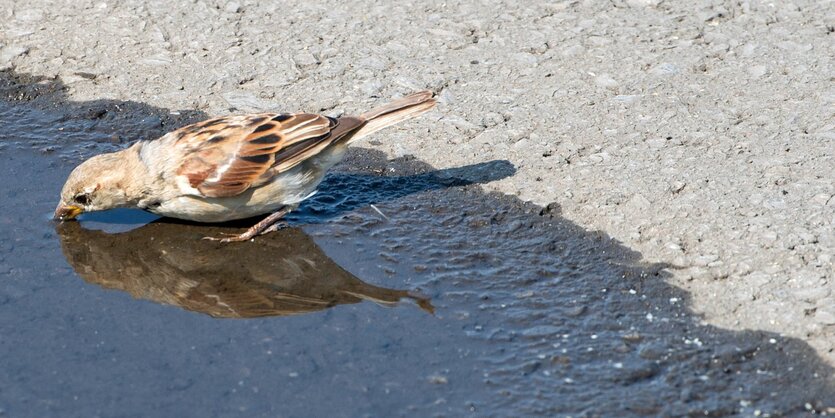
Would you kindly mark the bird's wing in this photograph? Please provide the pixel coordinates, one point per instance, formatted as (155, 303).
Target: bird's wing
(226, 156)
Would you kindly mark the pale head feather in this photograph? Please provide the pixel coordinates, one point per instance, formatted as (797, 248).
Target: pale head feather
(100, 183)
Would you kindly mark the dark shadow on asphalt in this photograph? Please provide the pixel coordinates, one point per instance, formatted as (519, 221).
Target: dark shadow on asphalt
(534, 314)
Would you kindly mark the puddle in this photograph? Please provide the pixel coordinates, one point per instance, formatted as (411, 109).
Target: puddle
(169, 263)
(532, 314)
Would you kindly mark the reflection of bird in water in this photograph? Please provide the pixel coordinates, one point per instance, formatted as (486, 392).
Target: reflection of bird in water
(284, 274)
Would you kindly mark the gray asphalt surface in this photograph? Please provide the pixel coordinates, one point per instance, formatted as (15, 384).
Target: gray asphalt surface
(700, 134)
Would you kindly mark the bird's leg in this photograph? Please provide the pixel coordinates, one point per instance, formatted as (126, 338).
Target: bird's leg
(269, 224)
(278, 225)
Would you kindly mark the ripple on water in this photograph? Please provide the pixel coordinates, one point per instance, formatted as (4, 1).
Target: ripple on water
(533, 315)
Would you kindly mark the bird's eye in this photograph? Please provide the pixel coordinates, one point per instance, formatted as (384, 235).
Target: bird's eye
(82, 199)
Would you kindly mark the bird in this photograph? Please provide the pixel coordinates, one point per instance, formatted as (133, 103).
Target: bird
(287, 274)
(228, 168)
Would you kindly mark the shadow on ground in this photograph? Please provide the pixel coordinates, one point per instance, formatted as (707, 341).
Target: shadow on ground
(533, 314)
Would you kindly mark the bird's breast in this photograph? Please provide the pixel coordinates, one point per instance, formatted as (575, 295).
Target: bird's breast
(288, 188)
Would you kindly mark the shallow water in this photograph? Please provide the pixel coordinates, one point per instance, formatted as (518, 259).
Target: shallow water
(438, 300)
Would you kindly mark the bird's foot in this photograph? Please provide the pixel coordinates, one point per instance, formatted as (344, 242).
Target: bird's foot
(269, 224)
(231, 237)
(249, 233)
(278, 226)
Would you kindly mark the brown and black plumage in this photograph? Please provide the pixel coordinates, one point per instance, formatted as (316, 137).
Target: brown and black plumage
(227, 168)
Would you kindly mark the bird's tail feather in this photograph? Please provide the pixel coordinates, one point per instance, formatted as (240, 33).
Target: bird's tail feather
(395, 112)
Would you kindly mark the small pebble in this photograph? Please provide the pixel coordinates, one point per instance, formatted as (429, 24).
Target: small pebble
(757, 71)
(605, 81)
(438, 380)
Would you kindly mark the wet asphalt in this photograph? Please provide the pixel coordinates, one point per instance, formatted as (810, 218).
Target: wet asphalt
(399, 289)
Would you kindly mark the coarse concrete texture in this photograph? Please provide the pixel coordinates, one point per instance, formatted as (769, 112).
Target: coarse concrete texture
(699, 133)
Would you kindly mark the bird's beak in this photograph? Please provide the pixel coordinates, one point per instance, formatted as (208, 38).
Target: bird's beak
(66, 213)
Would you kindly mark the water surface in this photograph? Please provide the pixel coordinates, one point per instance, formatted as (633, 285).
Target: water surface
(438, 300)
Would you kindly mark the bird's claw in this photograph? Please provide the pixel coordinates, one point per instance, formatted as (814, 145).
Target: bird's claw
(275, 227)
(248, 235)
(229, 238)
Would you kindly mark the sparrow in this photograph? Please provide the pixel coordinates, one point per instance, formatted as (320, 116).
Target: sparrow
(287, 274)
(227, 168)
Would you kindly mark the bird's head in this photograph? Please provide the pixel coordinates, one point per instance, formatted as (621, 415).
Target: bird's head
(96, 184)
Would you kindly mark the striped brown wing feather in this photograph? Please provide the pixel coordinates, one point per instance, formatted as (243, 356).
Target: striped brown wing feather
(227, 156)
(301, 145)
